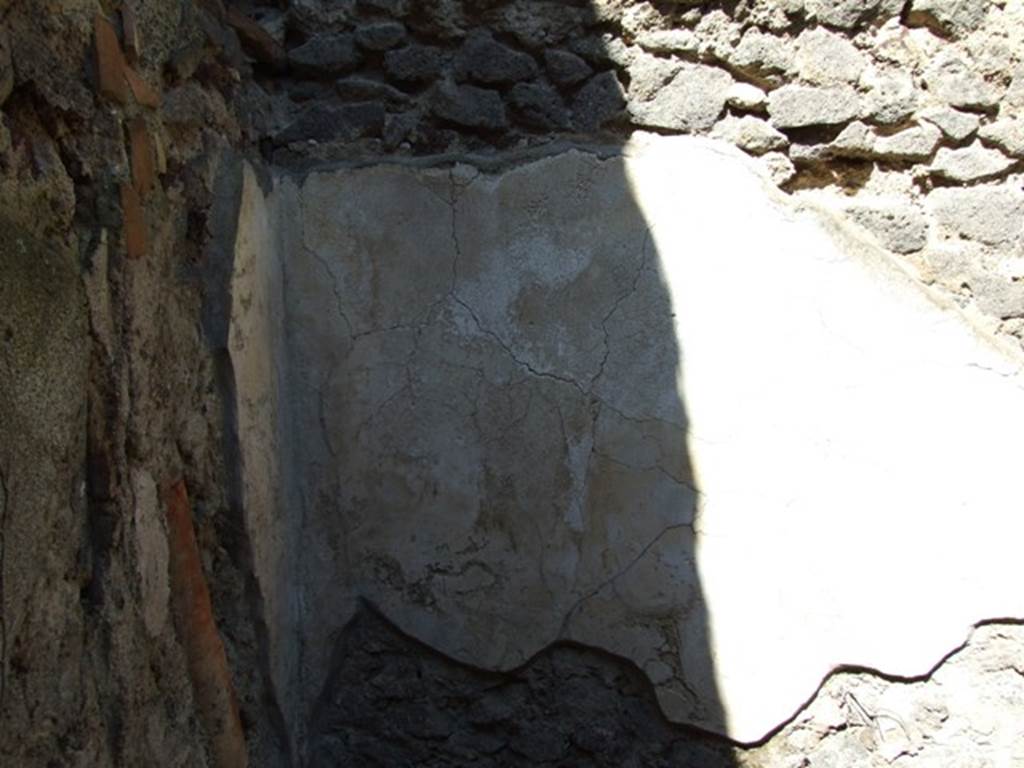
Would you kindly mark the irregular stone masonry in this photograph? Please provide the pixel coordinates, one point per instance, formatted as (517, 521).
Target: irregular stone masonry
(915, 135)
(860, 106)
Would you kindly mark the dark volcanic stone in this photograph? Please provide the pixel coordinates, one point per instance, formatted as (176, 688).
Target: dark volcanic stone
(326, 55)
(382, 36)
(414, 63)
(469, 106)
(566, 68)
(362, 89)
(391, 701)
(335, 122)
(485, 60)
(538, 105)
(597, 102)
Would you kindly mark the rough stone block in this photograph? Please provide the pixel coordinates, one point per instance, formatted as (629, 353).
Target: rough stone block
(484, 60)
(973, 163)
(565, 67)
(799, 106)
(469, 106)
(325, 55)
(692, 101)
(415, 63)
(992, 215)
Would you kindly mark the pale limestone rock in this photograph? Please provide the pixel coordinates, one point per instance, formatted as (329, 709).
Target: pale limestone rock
(855, 140)
(762, 53)
(953, 123)
(1006, 134)
(669, 41)
(692, 101)
(797, 106)
(750, 134)
(649, 74)
(779, 167)
(915, 143)
(746, 97)
(891, 95)
(899, 226)
(951, 79)
(848, 14)
(954, 17)
(988, 214)
(825, 58)
(972, 163)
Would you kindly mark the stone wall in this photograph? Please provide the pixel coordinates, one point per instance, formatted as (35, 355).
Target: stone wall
(123, 126)
(907, 117)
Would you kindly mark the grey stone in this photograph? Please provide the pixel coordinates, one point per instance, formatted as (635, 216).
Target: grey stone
(692, 101)
(780, 168)
(539, 106)
(992, 215)
(891, 97)
(750, 134)
(855, 140)
(808, 154)
(669, 41)
(565, 68)
(649, 74)
(954, 17)
(396, 8)
(798, 106)
(600, 100)
(363, 89)
(996, 295)
(824, 57)
(746, 97)
(953, 123)
(485, 60)
(397, 128)
(414, 63)
(761, 54)
(469, 106)
(915, 143)
(381, 36)
(1007, 134)
(952, 79)
(972, 163)
(334, 122)
(849, 14)
(899, 226)
(325, 55)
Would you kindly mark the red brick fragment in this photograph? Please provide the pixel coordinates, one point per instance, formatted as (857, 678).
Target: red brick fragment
(136, 238)
(197, 630)
(129, 23)
(110, 63)
(143, 92)
(143, 157)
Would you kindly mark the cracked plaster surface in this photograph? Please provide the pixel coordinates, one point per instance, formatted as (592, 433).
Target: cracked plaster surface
(641, 403)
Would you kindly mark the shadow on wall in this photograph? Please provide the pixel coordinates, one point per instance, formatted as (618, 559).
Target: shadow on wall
(489, 357)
